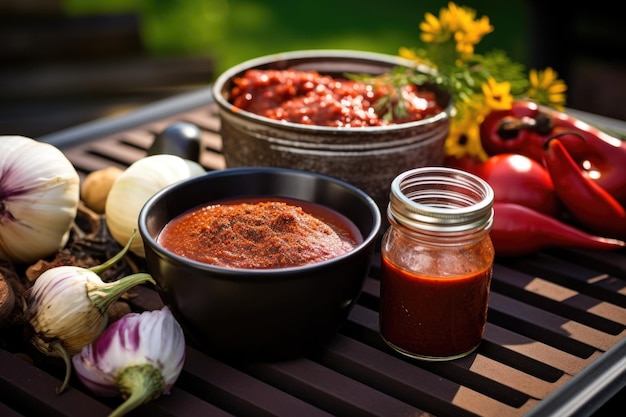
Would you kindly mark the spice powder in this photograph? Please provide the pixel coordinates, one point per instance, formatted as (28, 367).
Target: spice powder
(259, 235)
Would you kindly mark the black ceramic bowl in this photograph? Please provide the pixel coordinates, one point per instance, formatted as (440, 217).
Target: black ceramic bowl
(259, 314)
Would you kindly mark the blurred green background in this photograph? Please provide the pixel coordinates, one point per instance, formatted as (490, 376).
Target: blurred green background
(72, 61)
(232, 31)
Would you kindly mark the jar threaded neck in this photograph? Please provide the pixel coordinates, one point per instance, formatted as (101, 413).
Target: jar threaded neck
(441, 199)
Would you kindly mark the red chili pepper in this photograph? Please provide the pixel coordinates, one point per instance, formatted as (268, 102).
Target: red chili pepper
(519, 230)
(517, 130)
(589, 203)
(526, 126)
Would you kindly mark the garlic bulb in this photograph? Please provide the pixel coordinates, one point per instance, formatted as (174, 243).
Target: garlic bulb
(65, 309)
(133, 187)
(39, 195)
(139, 357)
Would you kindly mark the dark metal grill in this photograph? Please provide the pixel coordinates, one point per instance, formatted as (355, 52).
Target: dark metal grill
(555, 343)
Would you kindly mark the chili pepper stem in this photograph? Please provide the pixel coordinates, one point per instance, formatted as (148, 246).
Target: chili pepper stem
(513, 125)
(138, 384)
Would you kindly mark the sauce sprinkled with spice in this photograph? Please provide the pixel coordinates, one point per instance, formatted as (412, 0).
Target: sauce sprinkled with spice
(253, 234)
(307, 97)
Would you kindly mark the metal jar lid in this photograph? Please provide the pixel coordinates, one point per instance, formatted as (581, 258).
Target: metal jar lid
(441, 199)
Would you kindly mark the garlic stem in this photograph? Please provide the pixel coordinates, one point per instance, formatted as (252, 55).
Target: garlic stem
(103, 295)
(98, 269)
(138, 385)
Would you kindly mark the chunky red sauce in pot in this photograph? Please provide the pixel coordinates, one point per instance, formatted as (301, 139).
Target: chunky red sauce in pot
(260, 234)
(308, 97)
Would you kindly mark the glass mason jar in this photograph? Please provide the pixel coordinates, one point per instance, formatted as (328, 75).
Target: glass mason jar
(437, 261)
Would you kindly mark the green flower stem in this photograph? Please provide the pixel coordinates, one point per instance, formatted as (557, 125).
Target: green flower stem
(103, 295)
(138, 384)
(98, 269)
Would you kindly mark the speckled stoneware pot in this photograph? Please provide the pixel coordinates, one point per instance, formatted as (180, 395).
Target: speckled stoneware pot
(367, 157)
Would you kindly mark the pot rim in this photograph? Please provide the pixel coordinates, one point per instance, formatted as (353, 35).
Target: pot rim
(311, 54)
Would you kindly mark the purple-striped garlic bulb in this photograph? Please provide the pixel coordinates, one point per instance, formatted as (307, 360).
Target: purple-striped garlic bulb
(65, 309)
(139, 357)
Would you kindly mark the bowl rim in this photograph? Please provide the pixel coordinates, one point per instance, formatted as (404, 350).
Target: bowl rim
(367, 242)
(348, 54)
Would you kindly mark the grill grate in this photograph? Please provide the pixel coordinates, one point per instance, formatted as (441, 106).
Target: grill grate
(552, 316)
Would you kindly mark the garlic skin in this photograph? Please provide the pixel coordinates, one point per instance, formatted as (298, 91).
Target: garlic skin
(96, 186)
(59, 309)
(39, 196)
(133, 187)
(138, 357)
(65, 309)
(67, 304)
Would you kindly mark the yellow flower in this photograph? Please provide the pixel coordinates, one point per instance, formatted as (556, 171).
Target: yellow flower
(497, 95)
(478, 83)
(457, 19)
(410, 55)
(464, 139)
(457, 23)
(478, 29)
(464, 135)
(463, 47)
(432, 30)
(546, 88)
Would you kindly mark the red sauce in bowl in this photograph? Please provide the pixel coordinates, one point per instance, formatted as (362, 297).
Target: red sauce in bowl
(260, 233)
(308, 97)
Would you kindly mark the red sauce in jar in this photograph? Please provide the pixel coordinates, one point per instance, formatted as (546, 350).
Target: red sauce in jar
(308, 97)
(438, 317)
(260, 234)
